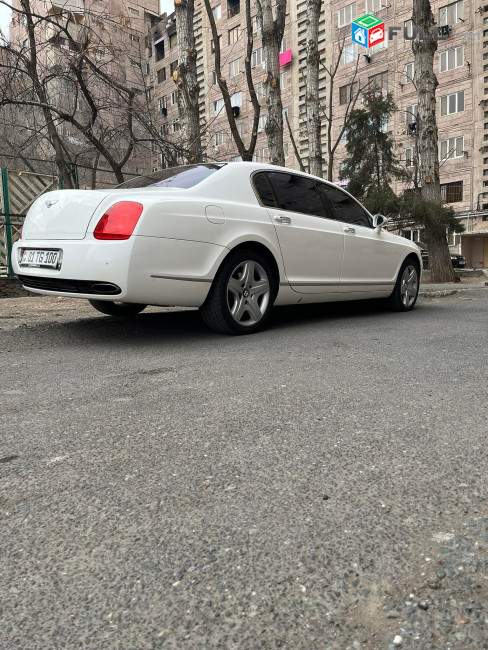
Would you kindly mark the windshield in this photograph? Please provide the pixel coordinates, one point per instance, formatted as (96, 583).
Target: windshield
(181, 177)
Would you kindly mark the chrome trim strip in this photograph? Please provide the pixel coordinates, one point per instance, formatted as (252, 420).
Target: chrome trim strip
(342, 284)
(178, 277)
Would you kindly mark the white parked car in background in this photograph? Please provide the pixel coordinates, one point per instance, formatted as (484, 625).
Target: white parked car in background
(233, 239)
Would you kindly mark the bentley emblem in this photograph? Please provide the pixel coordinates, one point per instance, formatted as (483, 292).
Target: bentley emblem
(50, 202)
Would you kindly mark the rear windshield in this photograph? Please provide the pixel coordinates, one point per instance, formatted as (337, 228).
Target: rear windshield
(182, 177)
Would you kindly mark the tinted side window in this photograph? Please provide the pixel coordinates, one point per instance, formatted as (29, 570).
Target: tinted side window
(263, 188)
(297, 194)
(345, 208)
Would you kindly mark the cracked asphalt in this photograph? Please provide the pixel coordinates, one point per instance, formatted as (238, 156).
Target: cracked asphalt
(162, 486)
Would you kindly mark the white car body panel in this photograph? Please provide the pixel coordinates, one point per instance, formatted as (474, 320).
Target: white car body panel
(183, 236)
(313, 250)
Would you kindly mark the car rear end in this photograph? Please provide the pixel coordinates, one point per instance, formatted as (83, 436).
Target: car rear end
(77, 243)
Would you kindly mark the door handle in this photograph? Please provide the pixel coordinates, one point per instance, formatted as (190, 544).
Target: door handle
(281, 219)
(350, 230)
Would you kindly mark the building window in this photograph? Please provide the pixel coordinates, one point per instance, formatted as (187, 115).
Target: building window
(347, 93)
(219, 138)
(240, 129)
(452, 192)
(173, 40)
(451, 13)
(263, 119)
(261, 155)
(372, 6)
(379, 82)
(411, 114)
(257, 58)
(133, 12)
(409, 157)
(214, 77)
(159, 47)
(256, 26)
(236, 99)
(260, 90)
(349, 54)
(284, 113)
(134, 63)
(172, 67)
(162, 103)
(173, 97)
(451, 59)
(283, 45)
(176, 126)
(233, 8)
(408, 28)
(234, 68)
(234, 34)
(161, 75)
(134, 38)
(283, 81)
(409, 73)
(217, 12)
(346, 15)
(451, 148)
(164, 129)
(218, 106)
(453, 103)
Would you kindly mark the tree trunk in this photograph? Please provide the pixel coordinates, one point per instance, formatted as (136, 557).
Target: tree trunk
(185, 78)
(312, 89)
(272, 31)
(426, 84)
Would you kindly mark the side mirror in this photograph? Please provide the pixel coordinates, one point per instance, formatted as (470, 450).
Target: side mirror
(379, 221)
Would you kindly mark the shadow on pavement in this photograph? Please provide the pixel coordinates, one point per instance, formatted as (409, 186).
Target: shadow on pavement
(186, 327)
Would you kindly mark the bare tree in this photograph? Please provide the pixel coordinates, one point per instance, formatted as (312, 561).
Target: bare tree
(426, 83)
(246, 153)
(185, 78)
(272, 29)
(312, 102)
(353, 92)
(69, 78)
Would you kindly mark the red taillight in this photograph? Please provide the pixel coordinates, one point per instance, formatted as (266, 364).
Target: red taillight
(119, 221)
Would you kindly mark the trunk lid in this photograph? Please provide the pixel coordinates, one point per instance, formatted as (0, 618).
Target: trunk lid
(62, 214)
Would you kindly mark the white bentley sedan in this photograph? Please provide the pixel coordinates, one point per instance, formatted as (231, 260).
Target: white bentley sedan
(233, 239)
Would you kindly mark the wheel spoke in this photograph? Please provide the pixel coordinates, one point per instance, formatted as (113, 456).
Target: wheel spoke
(248, 273)
(235, 287)
(239, 309)
(260, 287)
(254, 310)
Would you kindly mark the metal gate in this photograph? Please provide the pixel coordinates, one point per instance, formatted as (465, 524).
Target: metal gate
(18, 190)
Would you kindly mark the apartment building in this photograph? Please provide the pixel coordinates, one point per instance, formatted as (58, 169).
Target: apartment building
(231, 25)
(118, 34)
(461, 65)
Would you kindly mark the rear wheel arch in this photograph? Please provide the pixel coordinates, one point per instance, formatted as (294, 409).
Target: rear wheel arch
(263, 250)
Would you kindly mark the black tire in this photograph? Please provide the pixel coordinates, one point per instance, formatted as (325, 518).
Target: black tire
(238, 302)
(404, 297)
(119, 309)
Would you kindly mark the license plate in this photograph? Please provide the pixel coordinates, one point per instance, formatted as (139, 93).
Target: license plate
(40, 258)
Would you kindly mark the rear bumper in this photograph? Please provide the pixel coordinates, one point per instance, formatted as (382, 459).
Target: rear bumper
(146, 270)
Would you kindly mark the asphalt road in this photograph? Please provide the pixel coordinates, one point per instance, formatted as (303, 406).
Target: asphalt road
(162, 486)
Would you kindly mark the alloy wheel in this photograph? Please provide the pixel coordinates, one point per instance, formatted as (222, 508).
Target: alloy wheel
(409, 286)
(248, 293)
